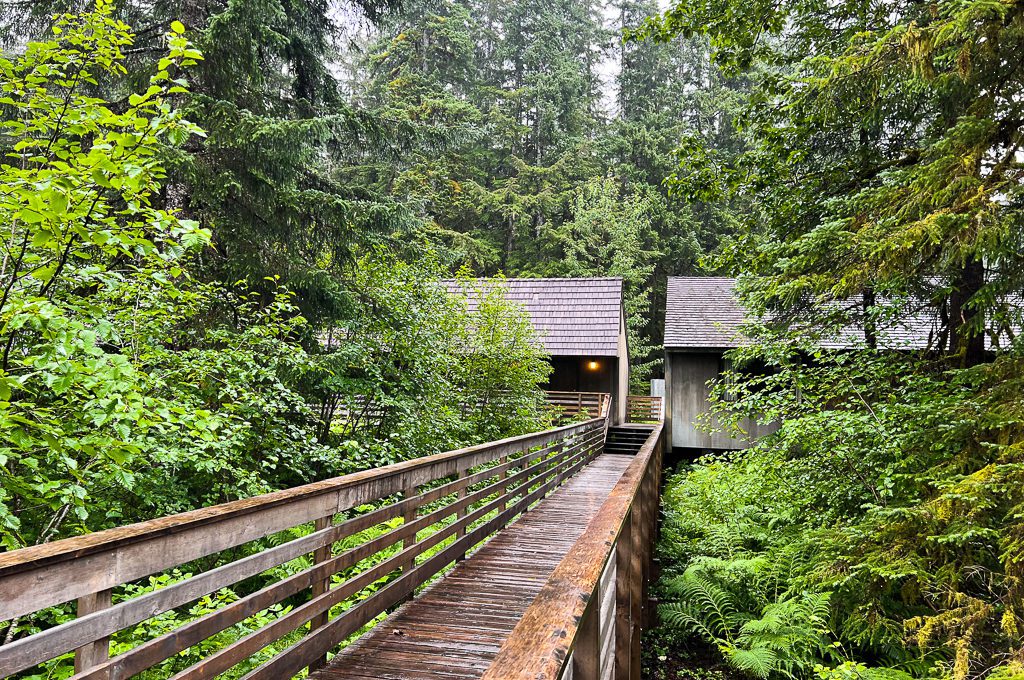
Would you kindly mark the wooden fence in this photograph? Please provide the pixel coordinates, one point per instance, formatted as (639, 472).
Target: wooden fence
(585, 624)
(400, 526)
(574, 404)
(644, 409)
(360, 413)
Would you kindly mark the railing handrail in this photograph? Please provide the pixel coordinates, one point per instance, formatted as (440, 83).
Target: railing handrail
(418, 470)
(543, 641)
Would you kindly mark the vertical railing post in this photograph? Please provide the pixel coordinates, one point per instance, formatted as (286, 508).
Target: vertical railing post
(623, 602)
(503, 475)
(461, 513)
(635, 572)
(609, 404)
(409, 516)
(647, 510)
(556, 450)
(586, 655)
(654, 496)
(94, 653)
(322, 585)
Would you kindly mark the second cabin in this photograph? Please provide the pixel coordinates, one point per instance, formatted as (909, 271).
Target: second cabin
(582, 325)
(702, 322)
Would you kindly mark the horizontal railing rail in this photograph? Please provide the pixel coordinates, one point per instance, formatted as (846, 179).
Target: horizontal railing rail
(585, 623)
(375, 537)
(641, 409)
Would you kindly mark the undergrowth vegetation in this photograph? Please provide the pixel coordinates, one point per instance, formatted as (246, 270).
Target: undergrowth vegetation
(878, 533)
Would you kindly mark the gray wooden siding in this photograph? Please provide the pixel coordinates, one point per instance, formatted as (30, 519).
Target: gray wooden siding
(686, 378)
(623, 379)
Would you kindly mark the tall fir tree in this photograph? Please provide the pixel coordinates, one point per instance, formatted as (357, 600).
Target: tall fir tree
(264, 177)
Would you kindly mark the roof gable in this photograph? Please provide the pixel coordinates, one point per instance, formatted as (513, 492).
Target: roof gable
(573, 317)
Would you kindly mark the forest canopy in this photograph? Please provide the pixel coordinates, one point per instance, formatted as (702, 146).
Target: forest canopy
(225, 223)
(135, 386)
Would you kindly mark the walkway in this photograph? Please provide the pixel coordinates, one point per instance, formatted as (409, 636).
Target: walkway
(455, 628)
(558, 525)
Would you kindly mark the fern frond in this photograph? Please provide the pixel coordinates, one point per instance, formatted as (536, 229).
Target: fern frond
(713, 601)
(680, 616)
(758, 661)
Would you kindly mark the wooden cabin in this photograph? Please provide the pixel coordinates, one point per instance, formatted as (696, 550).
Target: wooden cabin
(702, 322)
(582, 324)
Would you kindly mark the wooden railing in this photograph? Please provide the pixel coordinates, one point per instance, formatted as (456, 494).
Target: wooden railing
(361, 544)
(573, 404)
(360, 413)
(586, 621)
(644, 409)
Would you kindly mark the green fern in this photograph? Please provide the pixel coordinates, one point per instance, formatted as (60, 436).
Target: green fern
(681, 616)
(759, 662)
(796, 628)
(789, 639)
(704, 607)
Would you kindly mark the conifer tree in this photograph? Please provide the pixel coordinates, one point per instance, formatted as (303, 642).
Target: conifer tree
(277, 126)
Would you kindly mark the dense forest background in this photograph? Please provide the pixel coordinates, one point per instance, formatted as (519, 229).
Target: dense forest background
(526, 138)
(226, 232)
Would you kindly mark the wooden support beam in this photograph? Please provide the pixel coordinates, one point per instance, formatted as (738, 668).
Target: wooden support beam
(636, 571)
(647, 503)
(461, 513)
(408, 517)
(623, 603)
(321, 585)
(503, 476)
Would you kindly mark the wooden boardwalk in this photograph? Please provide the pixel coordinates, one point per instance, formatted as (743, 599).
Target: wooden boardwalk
(554, 592)
(454, 629)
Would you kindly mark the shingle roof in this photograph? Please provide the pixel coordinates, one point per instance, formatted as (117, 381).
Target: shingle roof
(574, 317)
(703, 313)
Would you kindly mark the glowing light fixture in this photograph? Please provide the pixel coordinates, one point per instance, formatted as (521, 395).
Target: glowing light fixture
(593, 365)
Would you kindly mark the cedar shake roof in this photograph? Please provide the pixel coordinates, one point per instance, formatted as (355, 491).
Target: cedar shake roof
(573, 317)
(703, 313)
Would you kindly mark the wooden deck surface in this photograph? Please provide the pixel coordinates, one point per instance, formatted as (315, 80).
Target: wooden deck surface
(454, 628)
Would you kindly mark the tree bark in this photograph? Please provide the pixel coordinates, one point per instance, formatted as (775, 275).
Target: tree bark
(966, 334)
(870, 330)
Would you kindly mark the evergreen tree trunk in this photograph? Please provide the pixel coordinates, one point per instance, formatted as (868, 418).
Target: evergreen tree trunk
(966, 334)
(870, 331)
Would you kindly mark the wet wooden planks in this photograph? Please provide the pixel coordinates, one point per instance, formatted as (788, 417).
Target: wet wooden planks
(454, 629)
